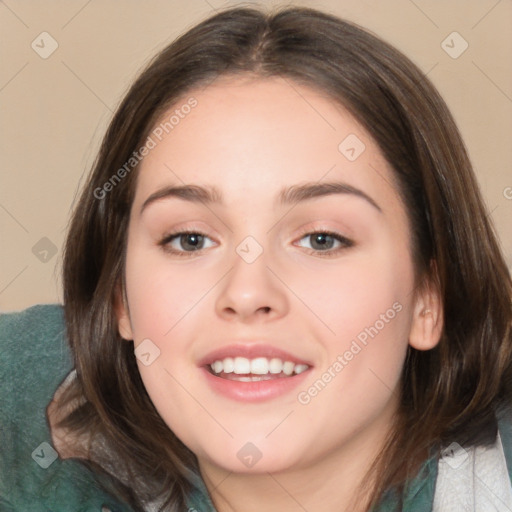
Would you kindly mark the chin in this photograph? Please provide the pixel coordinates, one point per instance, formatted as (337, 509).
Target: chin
(252, 457)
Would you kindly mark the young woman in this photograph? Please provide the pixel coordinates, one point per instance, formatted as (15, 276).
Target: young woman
(282, 289)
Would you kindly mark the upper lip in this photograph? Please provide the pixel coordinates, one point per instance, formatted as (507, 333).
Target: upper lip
(250, 351)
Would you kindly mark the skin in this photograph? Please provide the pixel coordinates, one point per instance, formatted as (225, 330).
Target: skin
(250, 138)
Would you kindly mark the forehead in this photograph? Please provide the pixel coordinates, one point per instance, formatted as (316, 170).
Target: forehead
(252, 136)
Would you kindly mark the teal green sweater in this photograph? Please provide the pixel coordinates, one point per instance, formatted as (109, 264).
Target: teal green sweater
(34, 360)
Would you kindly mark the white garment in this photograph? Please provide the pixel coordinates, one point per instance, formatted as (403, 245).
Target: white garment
(473, 480)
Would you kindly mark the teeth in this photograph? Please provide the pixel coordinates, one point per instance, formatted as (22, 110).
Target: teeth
(242, 365)
(257, 366)
(299, 368)
(288, 368)
(228, 365)
(275, 365)
(217, 366)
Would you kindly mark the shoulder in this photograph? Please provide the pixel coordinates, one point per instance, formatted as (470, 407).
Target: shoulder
(505, 429)
(35, 357)
(39, 324)
(34, 322)
(34, 360)
(31, 333)
(477, 477)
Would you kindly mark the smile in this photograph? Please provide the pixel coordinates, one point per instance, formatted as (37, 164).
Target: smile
(253, 372)
(243, 369)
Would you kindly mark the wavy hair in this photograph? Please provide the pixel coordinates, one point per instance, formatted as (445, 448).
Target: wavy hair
(452, 392)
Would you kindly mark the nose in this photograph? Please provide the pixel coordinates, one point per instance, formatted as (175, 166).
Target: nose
(251, 293)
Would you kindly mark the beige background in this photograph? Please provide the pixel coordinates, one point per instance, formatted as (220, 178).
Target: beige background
(55, 110)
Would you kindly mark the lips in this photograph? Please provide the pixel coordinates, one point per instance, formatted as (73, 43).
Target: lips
(253, 372)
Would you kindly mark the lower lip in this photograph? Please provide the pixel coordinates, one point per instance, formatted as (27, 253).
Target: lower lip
(257, 391)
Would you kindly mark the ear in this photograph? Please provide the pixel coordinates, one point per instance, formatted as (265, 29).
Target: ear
(122, 313)
(428, 318)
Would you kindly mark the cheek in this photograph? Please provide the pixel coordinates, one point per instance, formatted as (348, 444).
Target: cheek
(358, 292)
(366, 303)
(363, 359)
(161, 295)
(167, 307)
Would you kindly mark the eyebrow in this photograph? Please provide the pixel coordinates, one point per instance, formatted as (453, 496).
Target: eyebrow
(287, 196)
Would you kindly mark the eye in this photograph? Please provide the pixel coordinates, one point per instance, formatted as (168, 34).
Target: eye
(325, 242)
(184, 242)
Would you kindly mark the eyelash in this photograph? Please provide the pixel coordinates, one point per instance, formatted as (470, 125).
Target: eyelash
(164, 243)
(345, 242)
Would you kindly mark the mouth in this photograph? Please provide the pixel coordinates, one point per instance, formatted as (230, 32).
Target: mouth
(252, 373)
(243, 369)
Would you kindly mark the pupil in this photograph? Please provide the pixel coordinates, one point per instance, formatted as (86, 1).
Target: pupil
(191, 241)
(323, 240)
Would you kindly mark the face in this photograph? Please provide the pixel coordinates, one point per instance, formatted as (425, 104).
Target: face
(269, 279)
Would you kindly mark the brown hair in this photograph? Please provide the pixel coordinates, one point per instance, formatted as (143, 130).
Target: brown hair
(452, 392)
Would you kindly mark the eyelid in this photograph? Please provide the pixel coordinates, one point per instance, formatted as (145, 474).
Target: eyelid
(195, 227)
(165, 241)
(345, 242)
(312, 229)
(174, 233)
